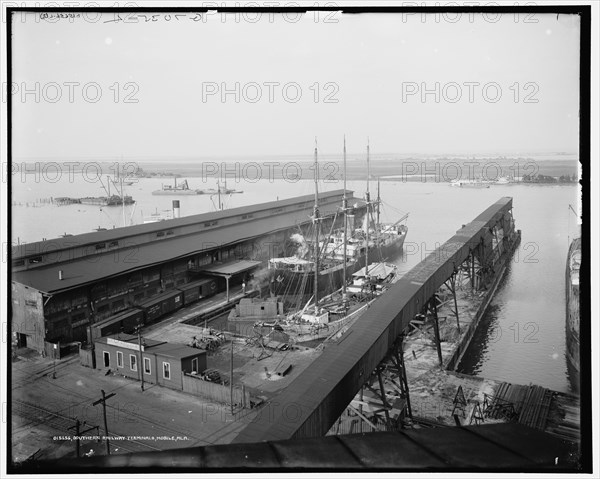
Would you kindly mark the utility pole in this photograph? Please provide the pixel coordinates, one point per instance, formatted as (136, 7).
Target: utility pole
(316, 226)
(368, 198)
(345, 208)
(231, 376)
(138, 329)
(78, 433)
(103, 402)
(76, 427)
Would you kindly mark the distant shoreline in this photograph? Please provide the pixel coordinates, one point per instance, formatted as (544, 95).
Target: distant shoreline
(409, 169)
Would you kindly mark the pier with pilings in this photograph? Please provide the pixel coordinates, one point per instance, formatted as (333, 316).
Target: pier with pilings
(474, 258)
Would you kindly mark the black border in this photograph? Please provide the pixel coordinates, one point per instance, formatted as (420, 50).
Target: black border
(584, 158)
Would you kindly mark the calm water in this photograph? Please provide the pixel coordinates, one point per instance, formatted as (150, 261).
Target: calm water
(521, 339)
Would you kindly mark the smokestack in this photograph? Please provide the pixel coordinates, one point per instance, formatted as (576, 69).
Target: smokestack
(176, 211)
(350, 221)
(60, 274)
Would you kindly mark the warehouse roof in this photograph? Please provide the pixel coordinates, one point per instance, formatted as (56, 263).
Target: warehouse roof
(230, 268)
(87, 270)
(120, 233)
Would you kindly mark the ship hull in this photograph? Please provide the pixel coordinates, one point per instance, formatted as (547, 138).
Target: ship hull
(299, 286)
(100, 201)
(176, 193)
(572, 317)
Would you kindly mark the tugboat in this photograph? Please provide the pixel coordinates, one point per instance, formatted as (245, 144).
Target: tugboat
(181, 189)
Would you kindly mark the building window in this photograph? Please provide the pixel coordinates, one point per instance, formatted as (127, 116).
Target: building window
(37, 259)
(160, 234)
(112, 244)
(195, 365)
(166, 370)
(147, 369)
(119, 359)
(100, 246)
(106, 356)
(170, 232)
(132, 362)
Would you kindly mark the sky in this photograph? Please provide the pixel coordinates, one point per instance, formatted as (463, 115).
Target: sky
(242, 86)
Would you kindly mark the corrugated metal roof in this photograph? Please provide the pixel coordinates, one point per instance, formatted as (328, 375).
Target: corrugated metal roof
(92, 238)
(229, 268)
(87, 270)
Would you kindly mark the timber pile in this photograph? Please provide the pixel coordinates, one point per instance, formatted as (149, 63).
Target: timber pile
(531, 404)
(564, 421)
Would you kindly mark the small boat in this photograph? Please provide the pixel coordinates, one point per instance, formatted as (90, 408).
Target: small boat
(372, 279)
(156, 217)
(503, 180)
(181, 189)
(476, 183)
(219, 190)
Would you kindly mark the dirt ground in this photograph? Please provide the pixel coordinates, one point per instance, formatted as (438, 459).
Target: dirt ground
(43, 407)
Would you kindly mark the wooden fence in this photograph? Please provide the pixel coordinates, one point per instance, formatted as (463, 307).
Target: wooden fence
(87, 358)
(192, 384)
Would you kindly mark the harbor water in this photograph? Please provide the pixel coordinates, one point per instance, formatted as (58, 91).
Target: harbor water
(521, 339)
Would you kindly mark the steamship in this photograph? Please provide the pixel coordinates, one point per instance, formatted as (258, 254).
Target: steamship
(572, 313)
(372, 241)
(177, 189)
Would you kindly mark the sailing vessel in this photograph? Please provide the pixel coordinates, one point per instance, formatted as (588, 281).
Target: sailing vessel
(572, 313)
(319, 319)
(342, 253)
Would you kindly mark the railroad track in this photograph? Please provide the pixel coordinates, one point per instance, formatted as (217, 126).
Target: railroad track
(61, 424)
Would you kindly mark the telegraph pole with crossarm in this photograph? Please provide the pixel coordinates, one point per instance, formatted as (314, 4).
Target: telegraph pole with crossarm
(103, 401)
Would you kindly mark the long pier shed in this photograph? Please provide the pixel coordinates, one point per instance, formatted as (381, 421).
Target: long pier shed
(311, 404)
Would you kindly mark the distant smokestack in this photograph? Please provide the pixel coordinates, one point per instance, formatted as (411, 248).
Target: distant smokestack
(176, 211)
(60, 274)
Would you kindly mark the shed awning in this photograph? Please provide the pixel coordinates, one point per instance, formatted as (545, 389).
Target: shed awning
(228, 269)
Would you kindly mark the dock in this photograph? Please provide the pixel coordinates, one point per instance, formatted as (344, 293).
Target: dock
(393, 367)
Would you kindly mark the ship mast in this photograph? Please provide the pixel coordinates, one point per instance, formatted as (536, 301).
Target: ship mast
(219, 195)
(378, 204)
(316, 226)
(345, 208)
(123, 201)
(368, 198)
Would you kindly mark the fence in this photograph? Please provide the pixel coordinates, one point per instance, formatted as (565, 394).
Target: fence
(192, 384)
(87, 358)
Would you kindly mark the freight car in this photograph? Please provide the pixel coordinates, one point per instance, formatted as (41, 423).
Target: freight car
(196, 290)
(125, 321)
(158, 306)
